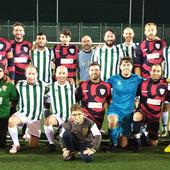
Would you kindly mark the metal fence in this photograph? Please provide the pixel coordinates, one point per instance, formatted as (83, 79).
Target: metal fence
(94, 30)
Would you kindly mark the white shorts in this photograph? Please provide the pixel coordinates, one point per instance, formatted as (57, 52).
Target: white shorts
(33, 126)
(60, 121)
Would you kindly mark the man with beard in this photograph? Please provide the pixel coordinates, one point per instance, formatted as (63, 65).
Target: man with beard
(128, 46)
(84, 58)
(108, 56)
(93, 95)
(20, 49)
(149, 52)
(41, 59)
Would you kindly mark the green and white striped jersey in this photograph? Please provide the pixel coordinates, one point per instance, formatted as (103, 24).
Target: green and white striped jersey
(109, 59)
(166, 55)
(128, 50)
(62, 98)
(42, 61)
(31, 99)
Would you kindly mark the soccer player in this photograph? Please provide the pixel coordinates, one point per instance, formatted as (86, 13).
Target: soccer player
(128, 47)
(108, 56)
(62, 96)
(20, 50)
(150, 51)
(152, 94)
(7, 92)
(84, 58)
(121, 109)
(31, 94)
(66, 54)
(41, 58)
(79, 134)
(93, 95)
(6, 54)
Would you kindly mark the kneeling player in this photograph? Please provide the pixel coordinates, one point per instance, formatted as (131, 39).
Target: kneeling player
(31, 94)
(152, 94)
(80, 134)
(62, 96)
(121, 109)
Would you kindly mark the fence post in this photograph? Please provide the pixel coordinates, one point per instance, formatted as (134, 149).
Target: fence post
(163, 31)
(33, 29)
(100, 32)
(121, 30)
(8, 30)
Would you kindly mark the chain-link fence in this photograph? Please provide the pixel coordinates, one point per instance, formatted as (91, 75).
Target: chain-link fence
(94, 30)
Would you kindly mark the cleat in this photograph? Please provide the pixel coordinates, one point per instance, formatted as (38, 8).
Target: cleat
(111, 148)
(167, 149)
(51, 148)
(164, 134)
(71, 156)
(14, 149)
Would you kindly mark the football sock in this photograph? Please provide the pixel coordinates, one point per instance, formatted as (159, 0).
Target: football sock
(14, 135)
(136, 128)
(46, 113)
(165, 120)
(113, 134)
(49, 133)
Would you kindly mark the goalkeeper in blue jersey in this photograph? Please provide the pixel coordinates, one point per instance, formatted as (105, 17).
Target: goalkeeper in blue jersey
(121, 109)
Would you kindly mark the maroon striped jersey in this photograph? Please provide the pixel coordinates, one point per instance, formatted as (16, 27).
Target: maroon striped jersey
(148, 53)
(66, 55)
(93, 97)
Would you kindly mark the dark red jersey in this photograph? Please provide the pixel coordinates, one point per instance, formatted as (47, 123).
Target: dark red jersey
(93, 97)
(148, 53)
(21, 56)
(6, 54)
(66, 55)
(152, 94)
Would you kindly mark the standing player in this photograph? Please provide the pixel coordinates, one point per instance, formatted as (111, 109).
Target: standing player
(84, 58)
(41, 58)
(121, 109)
(128, 47)
(108, 56)
(152, 94)
(31, 95)
(6, 54)
(66, 54)
(93, 95)
(150, 51)
(62, 96)
(20, 49)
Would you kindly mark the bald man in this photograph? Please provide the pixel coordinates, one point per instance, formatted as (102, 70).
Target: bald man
(62, 96)
(84, 58)
(128, 46)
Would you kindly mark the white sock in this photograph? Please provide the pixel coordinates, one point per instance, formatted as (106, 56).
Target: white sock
(165, 116)
(49, 133)
(14, 135)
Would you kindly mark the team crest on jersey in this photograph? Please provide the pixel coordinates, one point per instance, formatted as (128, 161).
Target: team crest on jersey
(71, 50)
(84, 131)
(1, 46)
(162, 91)
(4, 88)
(157, 45)
(25, 49)
(102, 91)
(118, 83)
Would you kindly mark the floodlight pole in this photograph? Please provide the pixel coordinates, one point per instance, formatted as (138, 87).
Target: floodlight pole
(130, 13)
(143, 17)
(37, 16)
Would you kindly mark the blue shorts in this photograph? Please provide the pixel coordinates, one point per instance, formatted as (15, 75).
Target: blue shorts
(125, 122)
